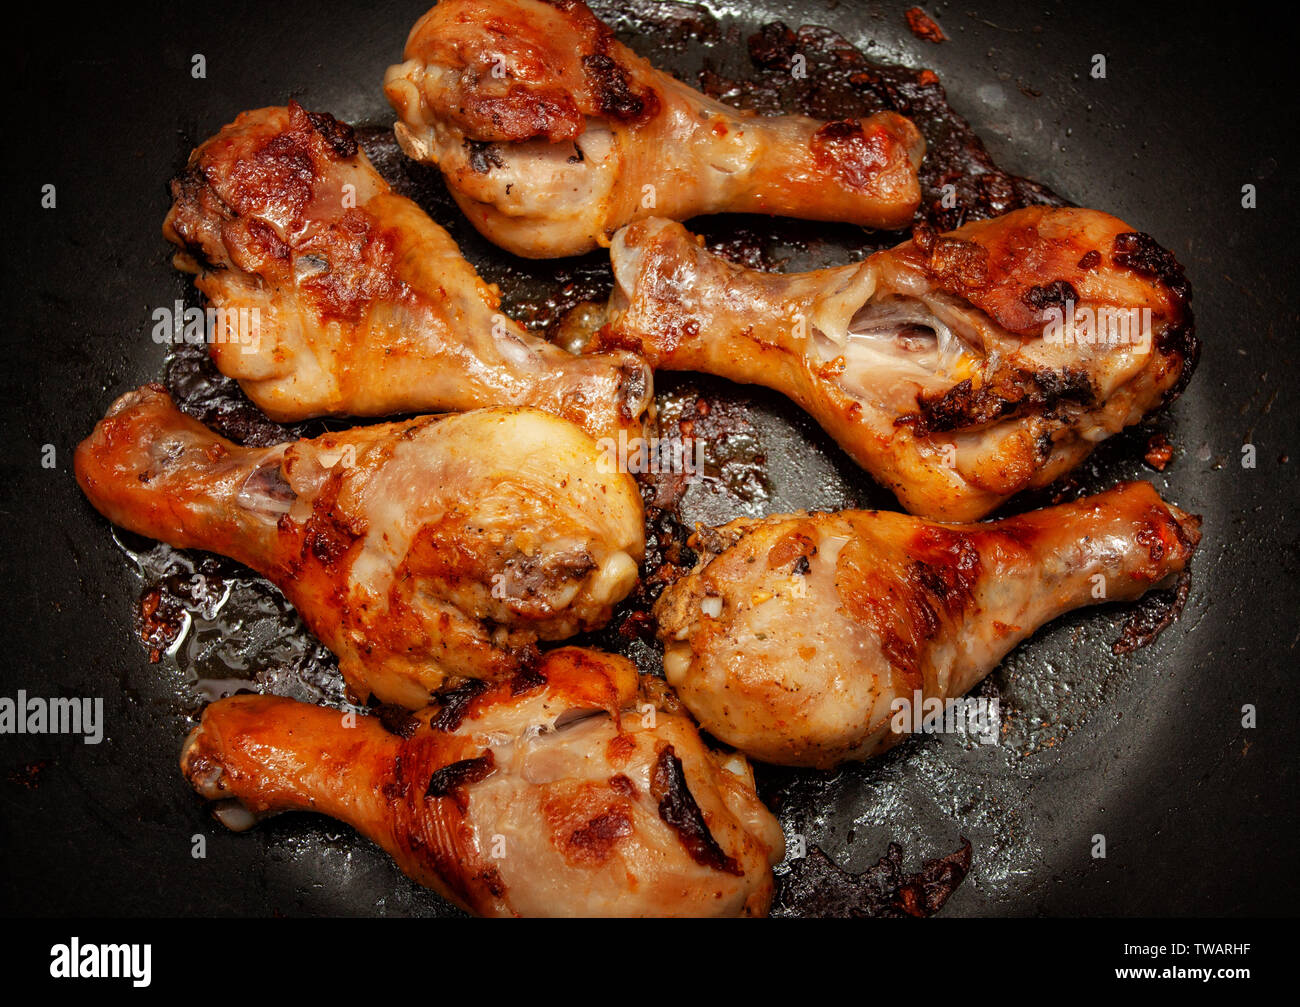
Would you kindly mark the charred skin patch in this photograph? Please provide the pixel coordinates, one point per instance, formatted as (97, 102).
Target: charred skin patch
(261, 240)
(338, 135)
(1143, 255)
(455, 703)
(677, 807)
(527, 679)
(327, 536)
(397, 720)
(483, 156)
(1056, 294)
(854, 154)
(1166, 540)
(533, 108)
(277, 178)
(451, 780)
(586, 822)
(1011, 392)
(248, 206)
(620, 784)
(428, 794)
(620, 748)
(613, 94)
(523, 113)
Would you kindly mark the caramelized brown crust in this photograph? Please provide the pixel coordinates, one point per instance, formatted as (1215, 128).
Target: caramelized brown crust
(564, 65)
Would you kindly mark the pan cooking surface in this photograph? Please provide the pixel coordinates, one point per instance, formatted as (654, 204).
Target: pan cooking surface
(1146, 747)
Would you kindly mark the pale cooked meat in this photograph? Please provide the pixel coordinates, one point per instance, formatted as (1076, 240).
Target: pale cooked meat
(417, 550)
(551, 135)
(563, 792)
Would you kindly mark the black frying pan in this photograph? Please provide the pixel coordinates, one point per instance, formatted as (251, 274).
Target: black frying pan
(1146, 748)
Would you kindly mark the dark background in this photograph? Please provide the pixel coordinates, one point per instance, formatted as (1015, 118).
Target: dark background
(1199, 814)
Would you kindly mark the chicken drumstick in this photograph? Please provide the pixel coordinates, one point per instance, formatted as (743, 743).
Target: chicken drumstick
(562, 792)
(794, 636)
(956, 369)
(552, 135)
(417, 550)
(332, 294)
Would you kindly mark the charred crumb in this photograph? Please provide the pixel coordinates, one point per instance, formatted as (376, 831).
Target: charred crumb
(1152, 615)
(162, 607)
(816, 886)
(159, 616)
(28, 776)
(920, 24)
(1159, 452)
(773, 47)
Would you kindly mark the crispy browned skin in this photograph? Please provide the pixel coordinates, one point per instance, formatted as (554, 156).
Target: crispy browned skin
(794, 635)
(934, 364)
(366, 306)
(552, 135)
(415, 550)
(560, 793)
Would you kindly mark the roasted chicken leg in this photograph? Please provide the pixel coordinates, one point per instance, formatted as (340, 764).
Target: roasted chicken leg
(794, 636)
(956, 369)
(562, 792)
(552, 135)
(417, 550)
(334, 295)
